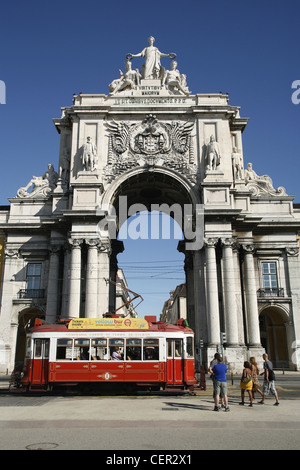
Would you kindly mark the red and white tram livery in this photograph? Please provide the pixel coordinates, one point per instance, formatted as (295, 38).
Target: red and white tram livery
(125, 351)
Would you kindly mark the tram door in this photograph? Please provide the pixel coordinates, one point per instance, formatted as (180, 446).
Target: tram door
(40, 363)
(174, 361)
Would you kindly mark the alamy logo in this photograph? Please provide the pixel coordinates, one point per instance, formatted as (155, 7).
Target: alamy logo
(296, 94)
(2, 92)
(190, 220)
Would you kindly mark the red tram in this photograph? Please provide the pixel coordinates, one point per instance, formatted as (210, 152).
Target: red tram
(90, 353)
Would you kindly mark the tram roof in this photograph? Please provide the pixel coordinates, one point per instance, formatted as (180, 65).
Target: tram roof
(84, 325)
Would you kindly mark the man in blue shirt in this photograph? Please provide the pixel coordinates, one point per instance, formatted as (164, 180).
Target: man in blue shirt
(220, 383)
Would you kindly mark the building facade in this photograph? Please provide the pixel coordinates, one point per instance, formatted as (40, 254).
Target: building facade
(150, 143)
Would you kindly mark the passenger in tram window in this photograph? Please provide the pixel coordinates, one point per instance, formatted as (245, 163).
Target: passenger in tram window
(116, 354)
(134, 353)
(84, 355)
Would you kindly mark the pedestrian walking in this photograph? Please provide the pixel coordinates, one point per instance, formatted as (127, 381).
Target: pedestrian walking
(246, 383)
(219, 370)
(255, 374)
(269, 381)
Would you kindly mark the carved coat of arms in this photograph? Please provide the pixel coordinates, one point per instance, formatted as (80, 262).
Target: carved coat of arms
(150, 143)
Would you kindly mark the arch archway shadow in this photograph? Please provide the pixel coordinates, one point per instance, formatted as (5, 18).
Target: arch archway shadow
(273, 332)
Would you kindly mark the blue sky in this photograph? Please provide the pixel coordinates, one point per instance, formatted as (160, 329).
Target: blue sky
(51, 49)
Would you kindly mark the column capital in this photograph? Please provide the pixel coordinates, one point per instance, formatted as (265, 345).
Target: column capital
(54, 249)
(210, 242)
(75, 242)
(92, 242)
(104, 246)
(229, 242)
(249, 248)
(292, 251)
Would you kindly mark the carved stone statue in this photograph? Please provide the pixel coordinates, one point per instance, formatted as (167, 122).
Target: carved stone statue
(260, 185)
(237, 164)
(89, 155)
(42, 185)
(213, 156)
(174, 79)
(151, 69)
(64, 167)
(130, 79)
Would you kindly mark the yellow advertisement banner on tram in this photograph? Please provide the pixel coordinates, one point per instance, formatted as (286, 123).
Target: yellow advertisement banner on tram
(108, 323)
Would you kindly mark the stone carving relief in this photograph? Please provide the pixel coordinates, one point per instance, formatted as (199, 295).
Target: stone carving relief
(148, 144)
(261, 185)
(42, 186)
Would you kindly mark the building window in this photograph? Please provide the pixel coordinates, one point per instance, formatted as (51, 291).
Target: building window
(33, 283)
(270, 281)
(33, 277)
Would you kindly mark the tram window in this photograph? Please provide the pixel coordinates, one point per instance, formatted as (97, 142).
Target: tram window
(46, 348)
(116, 349)
(28, 348)
(99, 349)
(189, 347)
(38, 348)
(151, 350)
(134, 349)
(169, 348)
(81, 349)
(178, 348)
(64, 349)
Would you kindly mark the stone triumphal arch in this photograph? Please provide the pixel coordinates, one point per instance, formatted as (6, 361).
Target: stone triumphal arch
(151, 142)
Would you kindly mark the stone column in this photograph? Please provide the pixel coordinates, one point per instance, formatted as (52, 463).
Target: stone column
(231, 321)
(103, 279)
(251, 297)
(116, 248)
(75, 278)
(91, 293)
(212, 295)
(66, 282)
(52, 289)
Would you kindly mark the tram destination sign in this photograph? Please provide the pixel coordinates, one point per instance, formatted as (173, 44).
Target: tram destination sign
(108, 323)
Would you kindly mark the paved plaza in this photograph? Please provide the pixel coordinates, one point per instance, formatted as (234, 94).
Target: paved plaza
(151, 422)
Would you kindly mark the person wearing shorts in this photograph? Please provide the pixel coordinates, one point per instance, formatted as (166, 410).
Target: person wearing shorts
(268, 385)
(220, 383)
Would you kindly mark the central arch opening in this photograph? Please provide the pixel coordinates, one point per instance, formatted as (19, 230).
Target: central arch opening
(151, 263)
(151, 207)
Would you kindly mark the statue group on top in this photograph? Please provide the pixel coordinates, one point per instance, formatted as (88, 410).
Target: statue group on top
(150, 70)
